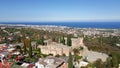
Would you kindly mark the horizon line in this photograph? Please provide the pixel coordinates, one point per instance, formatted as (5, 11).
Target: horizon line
(51, 21)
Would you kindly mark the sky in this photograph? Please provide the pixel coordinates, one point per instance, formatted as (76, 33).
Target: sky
(59, 10)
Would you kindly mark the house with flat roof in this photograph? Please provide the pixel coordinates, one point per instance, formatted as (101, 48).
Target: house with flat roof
(50, 62)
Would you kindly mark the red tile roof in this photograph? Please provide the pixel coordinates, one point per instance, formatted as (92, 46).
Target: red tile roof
(31, 66)
(5, 65)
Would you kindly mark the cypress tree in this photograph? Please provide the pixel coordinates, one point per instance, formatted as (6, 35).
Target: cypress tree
(62, 40)
(24, 47)
(70, 61)
(36, 45)
(30, 48)
(42, 40)
(69, 42)
(101, 43)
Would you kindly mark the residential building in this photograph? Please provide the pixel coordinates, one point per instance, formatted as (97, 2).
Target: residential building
(51, 62)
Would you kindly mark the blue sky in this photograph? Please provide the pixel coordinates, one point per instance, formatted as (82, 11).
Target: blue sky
(59, 10)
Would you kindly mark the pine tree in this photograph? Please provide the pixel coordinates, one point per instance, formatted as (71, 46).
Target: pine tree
(70, 61)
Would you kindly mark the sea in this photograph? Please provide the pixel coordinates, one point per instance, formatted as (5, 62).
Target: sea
(107, 25)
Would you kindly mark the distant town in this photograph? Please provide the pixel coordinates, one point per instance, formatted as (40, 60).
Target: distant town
(50, 46)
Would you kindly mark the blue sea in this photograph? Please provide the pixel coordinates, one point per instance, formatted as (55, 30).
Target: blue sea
(115, 25)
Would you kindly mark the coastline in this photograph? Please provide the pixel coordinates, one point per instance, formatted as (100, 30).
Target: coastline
(102, 25)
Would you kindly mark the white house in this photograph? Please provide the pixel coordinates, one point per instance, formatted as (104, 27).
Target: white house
(83, 63)
(49, 62)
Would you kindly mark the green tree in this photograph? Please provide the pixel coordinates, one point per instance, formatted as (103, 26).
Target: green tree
(24, 47)
(69, 42)
(81, 48)
(41, 41)
(70, 61)
(109, 63)
(99, 64)
(55, 39)
(27, 43)
(77, 57)
(62, 40)
(115, 61)
(36, 45)
(114, 40)
(101, 43)
(30, 48)
(76, 51)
